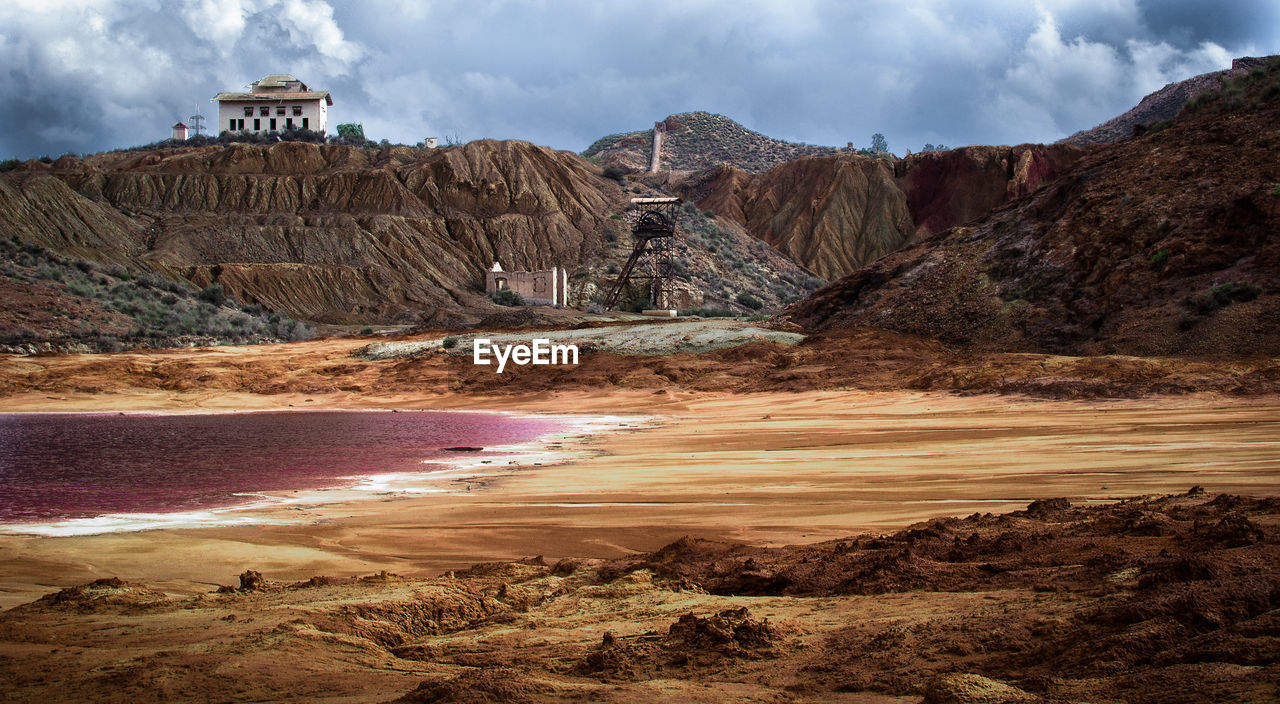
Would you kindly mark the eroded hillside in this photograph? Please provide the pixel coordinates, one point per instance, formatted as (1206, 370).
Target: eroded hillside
(328, 233)
(835, 214)
(1165, 244)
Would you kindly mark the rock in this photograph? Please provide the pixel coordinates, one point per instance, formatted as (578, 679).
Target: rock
(252, 581)
(973, 689)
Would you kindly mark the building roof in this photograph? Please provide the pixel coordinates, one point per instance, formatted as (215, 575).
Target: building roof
(276, 80)
(275, 97)
(180, 125)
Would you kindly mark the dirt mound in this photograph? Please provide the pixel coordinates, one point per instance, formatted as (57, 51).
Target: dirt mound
(973, 689)
(480, 686)
(108, 594)
(392, 624)
(692, 641)
(1154, 246)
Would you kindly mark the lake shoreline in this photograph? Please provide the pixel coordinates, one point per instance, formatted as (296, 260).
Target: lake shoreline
(767, 469)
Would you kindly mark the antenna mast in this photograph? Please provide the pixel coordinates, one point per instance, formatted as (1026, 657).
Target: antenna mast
(197, 121)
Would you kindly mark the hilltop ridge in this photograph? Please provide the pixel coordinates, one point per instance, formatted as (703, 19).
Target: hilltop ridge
(701, 140)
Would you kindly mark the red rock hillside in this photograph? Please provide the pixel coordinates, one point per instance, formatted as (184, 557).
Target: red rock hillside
(834, 214)
(1164, 244)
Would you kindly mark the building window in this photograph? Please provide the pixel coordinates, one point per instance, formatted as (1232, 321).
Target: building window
(273, 124)
(297, 111)
(264, 111)
(288, 123)
(231, 125)
(304, 124)
(248, 112)
(280, 111)
(257, 124)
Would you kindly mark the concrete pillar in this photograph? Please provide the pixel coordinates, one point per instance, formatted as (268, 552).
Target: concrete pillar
(655, 159)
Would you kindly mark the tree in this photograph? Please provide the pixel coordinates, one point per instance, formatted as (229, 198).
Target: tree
(352, 131)
(879, 144)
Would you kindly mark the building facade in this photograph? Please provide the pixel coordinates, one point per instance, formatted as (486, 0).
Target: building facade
(274, 104)
(549, 287)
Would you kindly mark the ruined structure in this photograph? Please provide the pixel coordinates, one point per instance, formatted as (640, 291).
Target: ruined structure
(549, 287)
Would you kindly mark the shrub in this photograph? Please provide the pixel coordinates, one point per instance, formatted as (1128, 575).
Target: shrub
(1223, 295)
(449, 342)
(749, 301)
(1159, 259)
(709, 312)
(213, 294)
(507, 297)
(615, 174)
(1275, 190)
(366, 330)
(1158, 126)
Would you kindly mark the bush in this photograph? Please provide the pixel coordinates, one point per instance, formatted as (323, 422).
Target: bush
(750, 301)
(1223, 295)
(507, 297)
(710, 312)
(1158, 126)
(449, 342)
(1159, 259)
(616, 174)
(366, 330)
(213, 294)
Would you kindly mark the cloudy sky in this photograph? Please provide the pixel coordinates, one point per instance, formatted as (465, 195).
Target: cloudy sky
(88, 75)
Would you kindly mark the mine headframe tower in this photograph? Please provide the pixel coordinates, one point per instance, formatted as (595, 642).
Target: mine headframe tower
(653, 236)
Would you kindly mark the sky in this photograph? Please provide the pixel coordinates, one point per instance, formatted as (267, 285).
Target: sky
(84, 76)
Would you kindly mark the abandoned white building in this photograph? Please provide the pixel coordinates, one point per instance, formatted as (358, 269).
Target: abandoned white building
(274, 104)
(549, 287)
(180, 132)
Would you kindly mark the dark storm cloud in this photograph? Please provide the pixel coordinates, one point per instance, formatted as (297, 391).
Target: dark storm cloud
(94, 74)
(1189, 23)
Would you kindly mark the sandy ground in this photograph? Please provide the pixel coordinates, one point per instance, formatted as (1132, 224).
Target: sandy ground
(766, 469)
(693, 455)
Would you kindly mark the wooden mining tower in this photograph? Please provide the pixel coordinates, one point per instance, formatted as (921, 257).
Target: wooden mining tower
(653, 234)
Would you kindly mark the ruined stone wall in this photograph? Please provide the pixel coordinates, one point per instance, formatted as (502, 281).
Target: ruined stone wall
(548, 287)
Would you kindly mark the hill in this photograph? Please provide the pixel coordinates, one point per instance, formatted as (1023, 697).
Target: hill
(700, 140)
(53, 303)
(341, 235)
(1163, 104)
(836, 213)
(1166, 244)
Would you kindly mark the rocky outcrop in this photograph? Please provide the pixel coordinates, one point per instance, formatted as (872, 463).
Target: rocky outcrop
(953, 187)
(328, 233)
(1167, 244)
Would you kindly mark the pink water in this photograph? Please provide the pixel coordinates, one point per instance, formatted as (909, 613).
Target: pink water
(60, 466)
